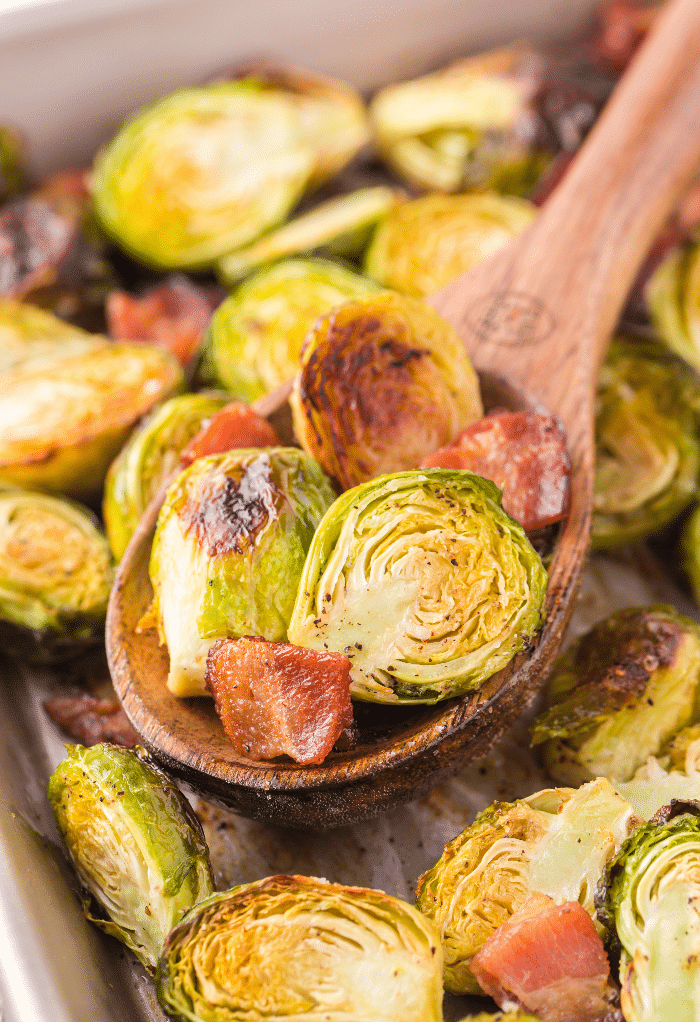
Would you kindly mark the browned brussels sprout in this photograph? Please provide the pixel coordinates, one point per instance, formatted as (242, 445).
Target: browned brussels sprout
(384, 381)
(64, 418)
(647, 447)
(425, 243)
(619, 693)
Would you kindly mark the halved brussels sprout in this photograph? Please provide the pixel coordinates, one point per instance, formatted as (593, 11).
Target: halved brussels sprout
(425, 243)
(63, 419)
(331, 113)
(674, 775)
(424, 582)
(201, 172)
(339, 226)
(650, 902)
(673, 299)
(11, 169)
(384, 381)
(28, 334)
(255, 336)
(135, 844)
(647, 448)
(148, 459)
(302, 949)
(229, 550)
(55, 569)
(555, 842)
(465, 126)
(619, 693)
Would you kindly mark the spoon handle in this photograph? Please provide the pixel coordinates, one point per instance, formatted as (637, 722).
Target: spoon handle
(542, 310)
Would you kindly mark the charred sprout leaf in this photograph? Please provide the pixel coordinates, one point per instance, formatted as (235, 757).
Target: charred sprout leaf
(555, 842)
(425, 243)
(55, 567)
(331, 113)
(384, 380)
(202, 172)
(148, 459)
(11, 167)
(649, 900)
(229, 550)
(619, 693)
(255, 336)
(302, 949)
(647, 450)
(29, 334)
(673, 298)
(469, 125)
(424, 582)
(340, 226)
(134, 842)
(64, 418)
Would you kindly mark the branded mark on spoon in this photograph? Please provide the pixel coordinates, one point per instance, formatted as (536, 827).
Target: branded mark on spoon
(511, 318)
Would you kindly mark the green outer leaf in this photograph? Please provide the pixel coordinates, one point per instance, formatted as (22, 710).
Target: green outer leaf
(555, 842)
(691, 552)
(648, 900)
(199, 596)
(255, 336)
(174, 187)
(647, 447)
(356, 598)
(587, 729)
(12, 174)
(673, 299)
(302, 949)
(134, 841)
(55, 567)
(150, 455)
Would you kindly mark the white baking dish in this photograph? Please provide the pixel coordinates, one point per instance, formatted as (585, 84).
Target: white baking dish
(69, 71)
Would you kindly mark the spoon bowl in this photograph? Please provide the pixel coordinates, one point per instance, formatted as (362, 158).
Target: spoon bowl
(536, 319)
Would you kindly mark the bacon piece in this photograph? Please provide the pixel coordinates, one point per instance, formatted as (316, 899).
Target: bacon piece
(173, 316)
(275, 699)
(90, 720)
(547, 959)
(524, 454)
(235, 425)
(624, 25)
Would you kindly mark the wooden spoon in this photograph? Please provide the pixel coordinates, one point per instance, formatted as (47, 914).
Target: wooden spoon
(536, 319)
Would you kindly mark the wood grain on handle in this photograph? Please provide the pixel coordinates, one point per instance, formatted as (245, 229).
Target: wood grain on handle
(542, 310)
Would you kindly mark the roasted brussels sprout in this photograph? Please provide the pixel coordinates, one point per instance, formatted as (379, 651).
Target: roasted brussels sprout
(673, 299)
(466, 126)
(28, 334)
(555, 842)
(674, 775)
(229, 551)
(255, 336)
(63, 419)
(201, 172)
(11, 169)
(425, 243)
(647, 449)
(331, 113)
(619, 693)
(649, 900)
(340, 226)
(424, 582)
(55, 569)
(134, 842)
(148, 459)
(384, 381)
(302, 949)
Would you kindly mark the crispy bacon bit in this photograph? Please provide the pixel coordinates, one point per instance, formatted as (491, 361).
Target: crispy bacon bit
(275, 699)
(90, 720)
(524, 454)
(35, 243)
(235, 425)
(173, 316)
(547, 959)
(623, 27)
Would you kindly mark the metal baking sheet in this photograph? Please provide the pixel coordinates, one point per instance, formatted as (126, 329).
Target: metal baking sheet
(56, 967)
